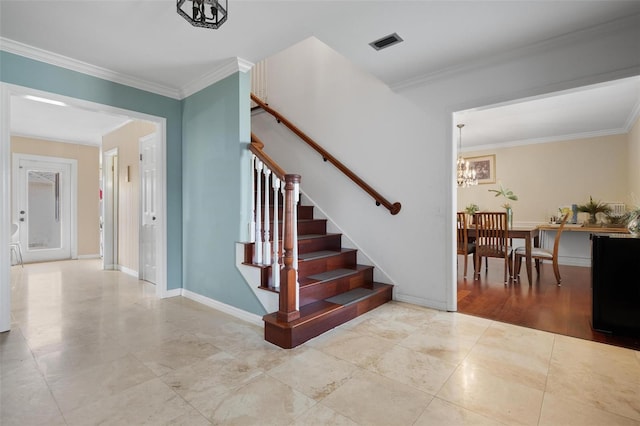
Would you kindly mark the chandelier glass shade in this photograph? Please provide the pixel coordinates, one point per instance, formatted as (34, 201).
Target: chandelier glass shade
(466, 174)
(203, 13)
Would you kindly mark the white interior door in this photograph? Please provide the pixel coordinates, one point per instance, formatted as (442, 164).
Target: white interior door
(149, 207)
(43, 207)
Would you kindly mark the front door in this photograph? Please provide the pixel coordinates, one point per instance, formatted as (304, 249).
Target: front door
(42, 207)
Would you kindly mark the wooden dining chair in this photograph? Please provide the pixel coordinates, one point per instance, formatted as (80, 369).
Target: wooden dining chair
(492, 240)
(539, 254)
(465, 248)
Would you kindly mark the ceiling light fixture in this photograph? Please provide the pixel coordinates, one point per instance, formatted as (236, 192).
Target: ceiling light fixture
(44, 100)
(466, 174)
(203, 13)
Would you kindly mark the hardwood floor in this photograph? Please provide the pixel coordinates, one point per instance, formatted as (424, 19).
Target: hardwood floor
(543, 305)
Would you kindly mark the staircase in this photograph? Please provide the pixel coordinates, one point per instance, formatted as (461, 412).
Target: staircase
(333, 287)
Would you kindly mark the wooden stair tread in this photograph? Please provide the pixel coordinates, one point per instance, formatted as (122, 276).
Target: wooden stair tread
(312, 236)
(305, 281)
(318, 309)
(322, 253)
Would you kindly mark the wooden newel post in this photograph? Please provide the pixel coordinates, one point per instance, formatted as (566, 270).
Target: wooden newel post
(288, 287)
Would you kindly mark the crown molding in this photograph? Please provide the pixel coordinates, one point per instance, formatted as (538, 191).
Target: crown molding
(594, 32)
(51, 58)
(633, 117)
(227, 68)
(549, 139)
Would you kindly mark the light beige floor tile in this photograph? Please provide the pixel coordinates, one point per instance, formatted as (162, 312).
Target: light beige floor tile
(514, 353)
(482, 392)
(416, 316)
(183, 350)
(319, 415)
(359, 349)
(207, 383)
(25, 399)
(71, 359)
(371, 399)
(313, 373)
(382, 328)
(443, 413)
(149, 403)
(263, 401)
(74, 390)
(436, 343)
(609, 393)
(413, 368)
(557, 410)
(582, 356)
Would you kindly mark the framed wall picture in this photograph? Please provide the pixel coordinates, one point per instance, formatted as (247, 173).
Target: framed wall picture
(485, 168)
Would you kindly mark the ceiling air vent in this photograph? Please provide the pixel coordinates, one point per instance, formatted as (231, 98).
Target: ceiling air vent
(386, 41)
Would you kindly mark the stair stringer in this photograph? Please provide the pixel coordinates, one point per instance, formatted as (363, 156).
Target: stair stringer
(379, 275)
(270, 300)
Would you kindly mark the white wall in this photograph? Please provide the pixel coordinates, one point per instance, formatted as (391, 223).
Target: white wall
(402, 143)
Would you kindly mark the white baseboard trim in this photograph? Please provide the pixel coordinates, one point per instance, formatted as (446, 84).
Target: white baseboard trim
(223, 307)
(127, 271)
(171, 293)
(88, 256)
(420, 301)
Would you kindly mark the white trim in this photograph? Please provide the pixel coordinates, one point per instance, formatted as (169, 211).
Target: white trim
(549, 139)
(42, 55)
(421, 301)
(127, 271)
(109, 206)
(520, 52)
(50, 139)
(89, 256)
(5, 214)
(73, 214)
(223, 307)
(227, 68)
(633, 117)
(173, 293)
(270, 300)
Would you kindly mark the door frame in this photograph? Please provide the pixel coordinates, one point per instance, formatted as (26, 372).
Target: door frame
(6, 91)
(73, 214)
(109, 210)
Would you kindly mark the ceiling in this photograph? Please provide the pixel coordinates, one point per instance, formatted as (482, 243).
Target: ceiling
(148, 41)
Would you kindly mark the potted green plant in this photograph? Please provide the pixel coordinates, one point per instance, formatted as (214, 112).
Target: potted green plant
(593, 207)
(508, 195)
(470, 210)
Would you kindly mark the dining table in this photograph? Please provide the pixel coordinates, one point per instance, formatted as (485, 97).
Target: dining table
(531, 236)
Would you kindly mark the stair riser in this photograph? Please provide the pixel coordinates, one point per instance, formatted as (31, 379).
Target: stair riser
(327, 242)
(291, 336)
(316, 266)
(314, 292)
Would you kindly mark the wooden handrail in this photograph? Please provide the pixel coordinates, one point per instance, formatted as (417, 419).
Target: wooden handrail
(256, 148)
(394, 208)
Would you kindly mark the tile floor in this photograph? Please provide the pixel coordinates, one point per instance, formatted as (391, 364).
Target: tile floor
(94, 347)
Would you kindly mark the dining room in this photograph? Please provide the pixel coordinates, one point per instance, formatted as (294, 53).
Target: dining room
(573, 154)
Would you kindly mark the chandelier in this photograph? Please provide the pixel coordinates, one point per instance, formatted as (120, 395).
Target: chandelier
(466, 174)
(203, 13)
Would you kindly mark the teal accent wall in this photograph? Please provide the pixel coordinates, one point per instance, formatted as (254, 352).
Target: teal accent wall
(21, 71)
(215, 131)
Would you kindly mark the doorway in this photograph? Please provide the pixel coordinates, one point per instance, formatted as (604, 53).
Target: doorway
(7, 91)
(44, 206)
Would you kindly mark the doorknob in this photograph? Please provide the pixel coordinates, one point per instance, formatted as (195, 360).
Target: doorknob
(21, 211)
(153, 218)
(22, 219)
